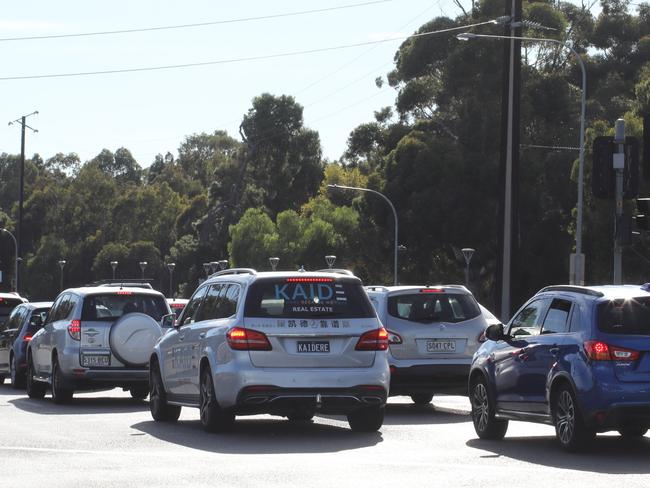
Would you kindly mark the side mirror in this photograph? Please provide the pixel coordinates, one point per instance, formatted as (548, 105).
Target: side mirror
(168, 321)
(495, 332)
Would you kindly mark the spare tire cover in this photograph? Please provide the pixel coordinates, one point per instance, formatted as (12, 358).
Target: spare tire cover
(132, 338)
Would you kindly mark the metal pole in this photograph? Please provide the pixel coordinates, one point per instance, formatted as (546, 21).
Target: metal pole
(619, 166)
(22, 193)
(16, 260)
(392, 207)
(62, 263)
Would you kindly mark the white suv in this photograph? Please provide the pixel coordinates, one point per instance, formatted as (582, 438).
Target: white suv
(291, 344)
(433, 333)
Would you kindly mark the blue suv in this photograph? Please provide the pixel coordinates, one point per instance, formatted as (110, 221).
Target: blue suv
(574, 357)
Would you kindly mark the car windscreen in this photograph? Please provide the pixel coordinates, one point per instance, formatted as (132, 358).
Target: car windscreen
(305, 297)
(111, 306)
(627, 317)
(426, 308)
(6, 306)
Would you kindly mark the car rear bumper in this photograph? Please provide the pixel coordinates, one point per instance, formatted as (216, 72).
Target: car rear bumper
(429, 378)
(88, 379)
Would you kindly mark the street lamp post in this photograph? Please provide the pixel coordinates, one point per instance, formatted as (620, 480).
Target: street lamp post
(207, 268)
(392, 207)
(274, 261)
(114, 266)
(170, 267)
(223, 264)
(62, 263)
(143, 265)
(579, 274)
(16, 260)
(330, 259)
(468, 252)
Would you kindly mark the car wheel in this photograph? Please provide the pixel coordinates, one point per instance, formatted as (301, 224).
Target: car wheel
(139, 392)
(2, 379)
(633, 431)
(60, 394)
(367, 419)
(17, 380)
(486, 425)
(35, 389)
(161, 411)
(570, 429)
(422, 398)
(213, 417)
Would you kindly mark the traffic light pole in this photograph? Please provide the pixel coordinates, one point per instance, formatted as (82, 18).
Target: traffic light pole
(619, 166)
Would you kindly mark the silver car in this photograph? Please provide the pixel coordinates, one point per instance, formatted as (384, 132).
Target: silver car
(291, 344)
(96, 338)
(433, 333)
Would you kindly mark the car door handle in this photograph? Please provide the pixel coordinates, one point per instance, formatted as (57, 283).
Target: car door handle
(202, 335)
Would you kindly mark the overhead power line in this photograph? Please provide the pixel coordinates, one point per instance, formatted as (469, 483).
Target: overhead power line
(237, 60)
(200, 24)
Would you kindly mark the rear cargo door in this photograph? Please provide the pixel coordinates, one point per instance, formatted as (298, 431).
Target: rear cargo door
(310, 322)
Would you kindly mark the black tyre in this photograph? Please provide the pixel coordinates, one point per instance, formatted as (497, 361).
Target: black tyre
(17, 380)
(139, 392)
(35, 389)
(486, 425)
(367, 419)
(60, 394)
(570, 429)
(633, 431)
(2, 379)
(213, 417)
(161, 411)
(422, 398)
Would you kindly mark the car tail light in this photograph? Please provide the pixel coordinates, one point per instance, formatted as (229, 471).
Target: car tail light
(600, 351)
(242, 339)
(27, 338)
(393, 337)
(310, 280)
(481, 337)
(125, 293)
(432, 290)
(373, 340)
(74, 329)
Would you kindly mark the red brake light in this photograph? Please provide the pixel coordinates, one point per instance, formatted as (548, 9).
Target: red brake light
(432, 290)
(242, 339)
(310, 280)
(373, 340)
(600, 351)
(178, 305)
(74, 329)
(27, 338)
(125, 293)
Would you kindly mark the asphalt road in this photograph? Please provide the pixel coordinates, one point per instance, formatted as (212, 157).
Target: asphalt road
(106, 439)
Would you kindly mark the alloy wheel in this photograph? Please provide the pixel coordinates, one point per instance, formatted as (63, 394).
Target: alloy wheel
(480, 406)
(206, 396)
(565, 417)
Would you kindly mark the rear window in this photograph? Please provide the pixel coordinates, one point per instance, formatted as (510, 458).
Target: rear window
(627, 317)
(6, 306)
(433, 307)
(111, 306)
(284, 298)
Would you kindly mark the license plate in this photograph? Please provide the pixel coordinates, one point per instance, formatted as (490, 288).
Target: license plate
(95, 360)
(314, 346)
(441, 346)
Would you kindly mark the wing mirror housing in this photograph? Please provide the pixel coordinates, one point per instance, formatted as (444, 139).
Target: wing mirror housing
(168, 321)
(495, 332)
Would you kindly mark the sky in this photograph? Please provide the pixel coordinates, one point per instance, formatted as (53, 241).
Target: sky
(152, 112)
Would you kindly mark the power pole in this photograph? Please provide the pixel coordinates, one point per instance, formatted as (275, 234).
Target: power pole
(509, 167)
(619, 168)
(21, 197)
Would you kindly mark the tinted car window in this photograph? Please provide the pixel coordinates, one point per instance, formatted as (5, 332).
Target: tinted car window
(557, 317)
(111, 306)
(433, 307)
(61, 309)
(529, 320)
(6, 306)
(39, 313)
(219, 303)
(629, 317)
(192, 306)
(283, 297)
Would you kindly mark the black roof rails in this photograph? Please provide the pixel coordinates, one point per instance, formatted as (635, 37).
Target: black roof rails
(572, 289)
(130, 282)
(234, 271)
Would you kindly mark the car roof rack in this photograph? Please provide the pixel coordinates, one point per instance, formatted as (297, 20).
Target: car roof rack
(573, 289)
(126, 282)
(234, 271)
(335, 270)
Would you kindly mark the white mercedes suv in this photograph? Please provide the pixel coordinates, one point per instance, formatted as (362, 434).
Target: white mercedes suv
(291, 344)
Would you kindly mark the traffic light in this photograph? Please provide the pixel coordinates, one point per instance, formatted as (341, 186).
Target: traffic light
(603, 175)
(643, 218)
